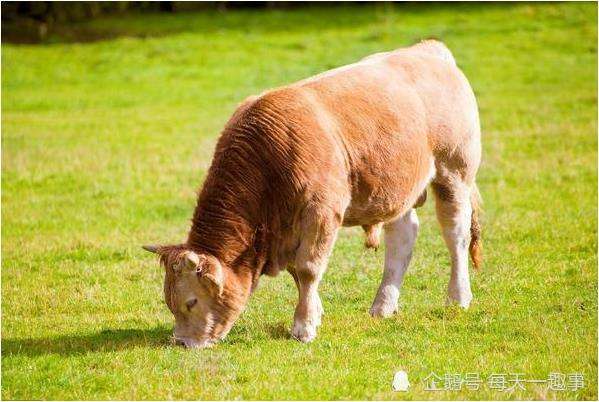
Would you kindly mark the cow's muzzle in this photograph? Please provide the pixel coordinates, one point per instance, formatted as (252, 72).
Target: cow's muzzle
(192, 344)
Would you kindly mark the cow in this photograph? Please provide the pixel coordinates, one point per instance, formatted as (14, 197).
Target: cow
(354, 146)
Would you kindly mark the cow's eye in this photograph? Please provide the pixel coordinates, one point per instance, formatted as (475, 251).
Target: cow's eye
(190, 303)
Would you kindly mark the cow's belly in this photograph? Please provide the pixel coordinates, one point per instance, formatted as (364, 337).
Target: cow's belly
(378, 208)
(383, 197)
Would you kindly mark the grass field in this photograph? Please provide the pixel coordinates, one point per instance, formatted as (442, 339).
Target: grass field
(105, 143)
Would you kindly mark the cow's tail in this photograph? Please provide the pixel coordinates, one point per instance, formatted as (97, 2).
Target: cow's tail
(476, 243)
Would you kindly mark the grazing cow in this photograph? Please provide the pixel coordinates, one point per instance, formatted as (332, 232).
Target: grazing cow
(357, 145)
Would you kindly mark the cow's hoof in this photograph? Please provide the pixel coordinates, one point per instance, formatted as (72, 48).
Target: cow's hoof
(386, 302)
(303, 332)
(462, 299)
(383, 310)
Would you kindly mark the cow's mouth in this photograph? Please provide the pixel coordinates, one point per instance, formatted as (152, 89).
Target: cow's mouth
(194, 344)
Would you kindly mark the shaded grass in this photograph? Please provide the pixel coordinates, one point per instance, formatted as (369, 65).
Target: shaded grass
(105, 143)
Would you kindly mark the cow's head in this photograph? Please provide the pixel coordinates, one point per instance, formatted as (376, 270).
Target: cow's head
(204, 296)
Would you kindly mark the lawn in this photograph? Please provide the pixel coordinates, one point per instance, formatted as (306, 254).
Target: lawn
(105, 143)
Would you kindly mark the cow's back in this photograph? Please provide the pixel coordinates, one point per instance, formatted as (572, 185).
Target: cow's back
(394, 113)
(368, 133)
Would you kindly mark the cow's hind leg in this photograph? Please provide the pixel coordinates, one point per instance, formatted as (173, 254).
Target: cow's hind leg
(400, 236)
(319, 230)
(454, 212)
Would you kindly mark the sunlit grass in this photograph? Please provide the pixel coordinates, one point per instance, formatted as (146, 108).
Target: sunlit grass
(104, 145)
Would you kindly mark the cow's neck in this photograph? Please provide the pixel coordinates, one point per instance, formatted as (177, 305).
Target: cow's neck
(219, 231)
(229, 211)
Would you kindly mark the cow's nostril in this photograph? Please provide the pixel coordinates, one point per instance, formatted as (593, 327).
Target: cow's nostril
(179, 342)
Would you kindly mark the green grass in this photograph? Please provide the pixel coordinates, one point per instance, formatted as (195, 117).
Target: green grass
(104, 145)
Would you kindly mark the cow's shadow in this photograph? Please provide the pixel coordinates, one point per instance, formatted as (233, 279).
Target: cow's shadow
(104, 341)
(110, 340)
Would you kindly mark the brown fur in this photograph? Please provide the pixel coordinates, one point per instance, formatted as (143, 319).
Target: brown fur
(373, 232)
(354, 146)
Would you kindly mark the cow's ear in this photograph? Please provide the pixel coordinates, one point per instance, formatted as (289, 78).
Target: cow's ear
(209, 271)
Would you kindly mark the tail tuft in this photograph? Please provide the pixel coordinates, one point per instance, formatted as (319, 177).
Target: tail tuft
(476, 244)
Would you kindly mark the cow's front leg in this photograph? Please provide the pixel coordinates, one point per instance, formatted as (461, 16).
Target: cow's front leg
(318, 236)
(319, 302)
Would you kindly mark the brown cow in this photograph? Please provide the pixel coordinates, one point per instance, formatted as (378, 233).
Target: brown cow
(357, 145)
